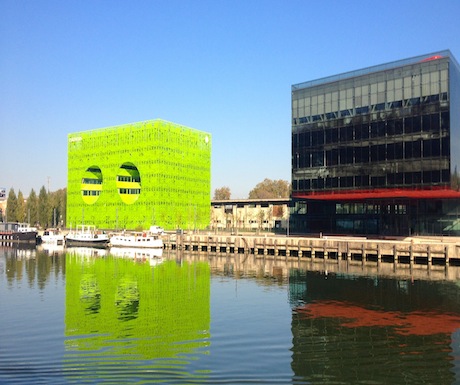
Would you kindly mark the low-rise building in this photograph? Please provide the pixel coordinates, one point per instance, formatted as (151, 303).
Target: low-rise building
(250, 214)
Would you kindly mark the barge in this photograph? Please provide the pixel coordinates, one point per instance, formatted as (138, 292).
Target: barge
(18, 232)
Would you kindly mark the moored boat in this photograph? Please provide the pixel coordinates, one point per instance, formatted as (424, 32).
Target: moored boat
(18, 232)
(145, 239)
(156, 230)
(52, 236)
(87, 235)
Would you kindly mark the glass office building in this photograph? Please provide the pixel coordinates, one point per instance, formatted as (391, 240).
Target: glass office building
(375, 151)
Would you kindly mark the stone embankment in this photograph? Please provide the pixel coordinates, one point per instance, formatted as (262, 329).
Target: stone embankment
(428, 255)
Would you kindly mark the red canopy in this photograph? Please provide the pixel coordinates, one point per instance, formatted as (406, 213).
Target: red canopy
(380, 194)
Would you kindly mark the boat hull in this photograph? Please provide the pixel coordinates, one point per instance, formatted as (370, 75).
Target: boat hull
(25, 237)
(87, 243)
(18, 232)
(87, 236)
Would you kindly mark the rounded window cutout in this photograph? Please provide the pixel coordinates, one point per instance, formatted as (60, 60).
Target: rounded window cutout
(128, 183)
(91, 185)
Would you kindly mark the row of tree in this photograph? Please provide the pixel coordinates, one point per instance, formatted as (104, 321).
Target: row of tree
(267, 189)
(45, 210)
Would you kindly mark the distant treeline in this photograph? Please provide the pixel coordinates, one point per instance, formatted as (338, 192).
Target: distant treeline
(48, 209)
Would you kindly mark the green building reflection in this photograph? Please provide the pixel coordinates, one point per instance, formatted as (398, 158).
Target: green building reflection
(121, 314)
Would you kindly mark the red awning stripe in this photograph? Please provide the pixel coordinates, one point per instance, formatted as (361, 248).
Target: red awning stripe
(380, 194)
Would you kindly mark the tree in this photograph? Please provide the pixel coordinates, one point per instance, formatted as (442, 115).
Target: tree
(43, 208)
(260, 219)
(57, 207)
(12, 207)
(32, 208)
(222, 193)
(21, 208)
(278, 211)
(270, 189)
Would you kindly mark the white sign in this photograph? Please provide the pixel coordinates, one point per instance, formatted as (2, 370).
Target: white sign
(2, 193)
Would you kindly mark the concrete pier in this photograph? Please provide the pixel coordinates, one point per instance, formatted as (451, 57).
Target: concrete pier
(414, 256)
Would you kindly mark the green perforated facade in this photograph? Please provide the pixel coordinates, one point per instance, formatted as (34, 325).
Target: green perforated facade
(139, 174)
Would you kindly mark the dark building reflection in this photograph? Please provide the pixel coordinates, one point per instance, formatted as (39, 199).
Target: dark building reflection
(347, 328)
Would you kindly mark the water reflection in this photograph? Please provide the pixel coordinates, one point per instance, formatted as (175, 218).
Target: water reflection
(23, 260)
(50, 249)
(87, 252)
(90, 294)
(374, 329)
(109, 316)
(122, 314)
(127, 299)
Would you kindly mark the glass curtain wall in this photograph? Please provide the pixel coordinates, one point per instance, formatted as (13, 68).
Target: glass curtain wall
(387, 129)
(383, 129)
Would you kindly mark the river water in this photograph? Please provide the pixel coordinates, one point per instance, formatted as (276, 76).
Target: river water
(86, 316)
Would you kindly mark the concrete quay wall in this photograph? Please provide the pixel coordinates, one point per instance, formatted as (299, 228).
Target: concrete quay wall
(404, 252)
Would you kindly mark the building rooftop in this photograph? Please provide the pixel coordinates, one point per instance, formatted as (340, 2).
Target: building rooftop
(249, 201)
(132, 125)
(376, 68)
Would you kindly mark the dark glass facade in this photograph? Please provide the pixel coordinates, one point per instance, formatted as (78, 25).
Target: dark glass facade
(374, 149)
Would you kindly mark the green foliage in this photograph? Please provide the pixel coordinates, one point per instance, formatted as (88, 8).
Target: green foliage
(32, 208)
(222, 193)
(45, 210)
(44, 214)
(21, 208)
(12, 207)
(57, 207)
(269, 189)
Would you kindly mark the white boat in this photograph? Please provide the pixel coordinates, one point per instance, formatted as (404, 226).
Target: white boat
(87, 235)
(52, 236)
(156, 230)
(137, 239)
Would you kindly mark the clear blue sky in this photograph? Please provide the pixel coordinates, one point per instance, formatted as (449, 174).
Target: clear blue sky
(220, 66)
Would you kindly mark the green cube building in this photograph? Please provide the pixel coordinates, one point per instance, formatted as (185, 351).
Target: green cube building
(138, 175)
